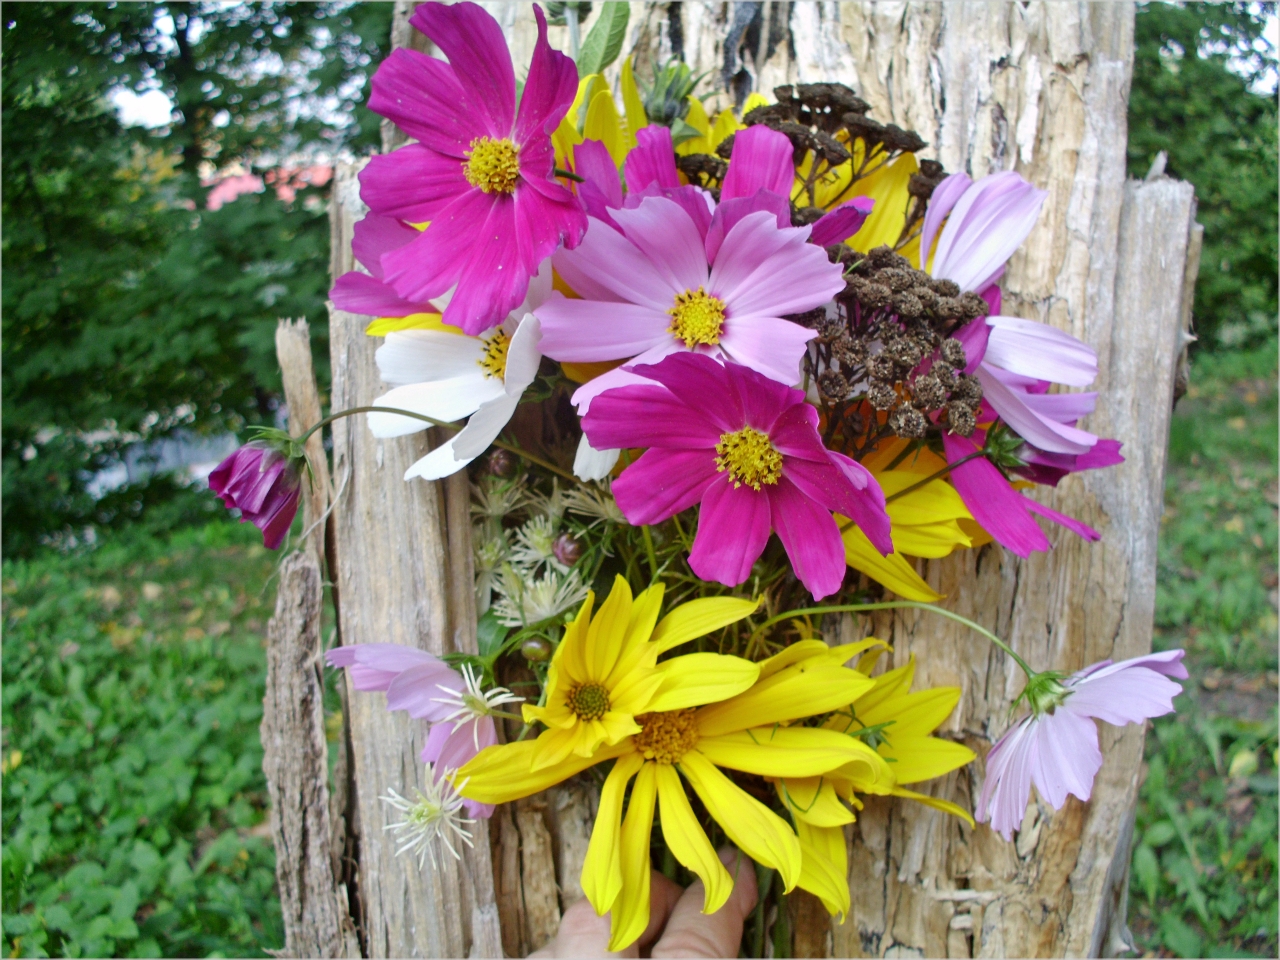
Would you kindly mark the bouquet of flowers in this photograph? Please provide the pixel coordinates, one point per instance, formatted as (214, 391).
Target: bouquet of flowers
(675, 335)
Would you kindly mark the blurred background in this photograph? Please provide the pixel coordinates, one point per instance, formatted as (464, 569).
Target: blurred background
(166, 170)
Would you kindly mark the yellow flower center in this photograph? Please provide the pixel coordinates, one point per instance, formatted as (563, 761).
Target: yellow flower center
(666, 737)
(590, 701)
(749, 457)
(697, 318)
(492, 165)
(494, 360)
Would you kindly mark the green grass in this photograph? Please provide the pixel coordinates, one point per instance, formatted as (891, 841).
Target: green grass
(134, 803)
(134, 799)
(1204, 862)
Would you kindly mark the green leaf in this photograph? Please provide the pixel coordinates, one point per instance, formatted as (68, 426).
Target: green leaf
(604, 41)
(1179, 937)
(490, 633)
(1146, 871)
(682, 132)
(1188, 880)
(1159, 833)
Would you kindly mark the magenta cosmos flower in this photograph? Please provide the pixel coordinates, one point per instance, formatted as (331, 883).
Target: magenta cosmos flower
(1056, 747)
(674, 276)
(264, 484)
(459, 711)
(747, 449)
(481, 172)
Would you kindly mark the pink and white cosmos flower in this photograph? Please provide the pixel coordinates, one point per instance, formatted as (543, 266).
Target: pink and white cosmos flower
(1056, 747)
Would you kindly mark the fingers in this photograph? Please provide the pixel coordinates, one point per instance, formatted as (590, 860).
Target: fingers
(585, 934)
(690, 933)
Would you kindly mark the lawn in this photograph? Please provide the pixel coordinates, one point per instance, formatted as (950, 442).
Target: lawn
(134, 803)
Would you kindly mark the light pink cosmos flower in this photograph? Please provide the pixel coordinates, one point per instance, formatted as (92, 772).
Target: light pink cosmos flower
(481, 172)
(667, 273)
(460, 713)
(747, 449)
(1056, 747)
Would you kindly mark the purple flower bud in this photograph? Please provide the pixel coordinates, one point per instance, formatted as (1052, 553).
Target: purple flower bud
(264, 484)
(567, 549)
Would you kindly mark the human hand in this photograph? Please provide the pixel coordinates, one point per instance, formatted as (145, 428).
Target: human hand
(677, 926)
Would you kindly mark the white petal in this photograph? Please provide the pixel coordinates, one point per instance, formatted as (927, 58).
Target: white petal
(414, 356)
(593, 464)
(523, 356)
(446, 400)
(484, 426)
(440, 462)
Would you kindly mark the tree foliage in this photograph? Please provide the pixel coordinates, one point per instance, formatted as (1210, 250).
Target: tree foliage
(130, 308)
(1204, 92)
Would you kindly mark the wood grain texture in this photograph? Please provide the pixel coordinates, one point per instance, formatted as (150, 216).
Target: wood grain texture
(293, 350)
(393, 573)
(295, 760)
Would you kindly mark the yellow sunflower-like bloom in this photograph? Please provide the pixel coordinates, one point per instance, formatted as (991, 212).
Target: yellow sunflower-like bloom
(747, 732)
(605, 670)
(900, 724)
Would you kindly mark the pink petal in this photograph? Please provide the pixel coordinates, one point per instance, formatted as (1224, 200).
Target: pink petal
(1007, 786)
(941, 202)
(601, 188)
(1065, 756)
(974, 336)
(765, 402)
(694, 201)
(1072, 524)
(653, 160)
(987, 225)
(417, 689)
(477, 50)
(450, 747)
(994, 298)
(663, 483)
(421, 95)
(647, 416)
(1124, 693)
(375, 235)
(587, 331)
(730, 212)
(606, 259)
(794, 428)
(830, 484)
(618, 377)
(998, 508)
(733, 528)
(413, 183)
(767, 345)
(374, 665)
(549, 90)
(1038, 430)
(664, 234)
(357, 292)
(763, 271)
(810, 536)
(1040, 351)
(545, 219)
(1062, 407)
(701, 384)
(761, 160)
(842, 222)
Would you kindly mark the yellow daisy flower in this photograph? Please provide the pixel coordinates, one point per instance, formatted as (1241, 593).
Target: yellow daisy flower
(899, 724)
(605, 670)
(747, 732)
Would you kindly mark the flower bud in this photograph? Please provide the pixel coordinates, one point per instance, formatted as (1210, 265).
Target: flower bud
(263, 481)
(502, 463)
(567, 549)
(536, 649)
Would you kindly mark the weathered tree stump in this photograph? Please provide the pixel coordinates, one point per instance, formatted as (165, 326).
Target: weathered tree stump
(1038, 87)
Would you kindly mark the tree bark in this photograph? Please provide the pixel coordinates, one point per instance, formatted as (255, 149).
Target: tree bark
(1038, 87)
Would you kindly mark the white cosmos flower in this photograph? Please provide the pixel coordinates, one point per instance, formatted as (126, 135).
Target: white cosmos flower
(447, 376)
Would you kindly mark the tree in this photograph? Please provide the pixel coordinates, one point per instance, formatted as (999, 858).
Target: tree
(130, 308)
(1204, 92)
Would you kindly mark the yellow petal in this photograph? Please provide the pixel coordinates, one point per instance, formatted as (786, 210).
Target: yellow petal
(887, 186)
(936, 500)
(636, 648)
(813, 800)
(688, 842)
(604, 124)
(978, 536)
(725, 124)
(415, 321)
(563, 140)
(602, 869)
(756, 830)
(923, 758)
(584, 372)
(635, 691)
(946, 806)
(570, 655)
(792, 752)
(555, 745)
(502, 773)
(932, 540)
(893, 571)
(890, 684)
(754, 99)
(803, 650)
(607, 631)
(698, 678)
(802, 690)
(631, 909)
(632, 103)
(696, 118)
(825, 868)
(618, 726)
(842, 654)
(913, 714)
(697, 618)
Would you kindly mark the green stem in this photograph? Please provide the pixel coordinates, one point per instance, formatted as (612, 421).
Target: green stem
(518, 451)
(648, 548)
(569, 175)
(938, 475)
(896, 605)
